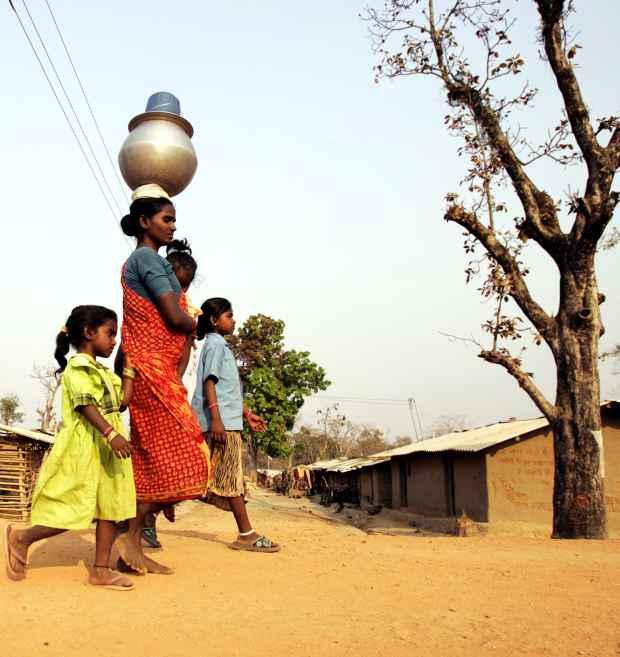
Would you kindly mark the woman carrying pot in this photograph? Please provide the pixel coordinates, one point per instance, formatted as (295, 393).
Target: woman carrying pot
(170, 457)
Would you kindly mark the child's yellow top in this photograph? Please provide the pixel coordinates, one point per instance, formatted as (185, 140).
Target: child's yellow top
(81, 479)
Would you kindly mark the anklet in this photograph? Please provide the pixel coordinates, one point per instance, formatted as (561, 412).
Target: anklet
(246, 533)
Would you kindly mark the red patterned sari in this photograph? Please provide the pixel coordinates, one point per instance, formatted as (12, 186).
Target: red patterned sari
(170, 457)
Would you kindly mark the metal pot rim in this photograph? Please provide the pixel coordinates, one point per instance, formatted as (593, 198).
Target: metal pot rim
(166, 116)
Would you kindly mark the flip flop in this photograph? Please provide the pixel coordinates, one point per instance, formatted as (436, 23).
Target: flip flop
(11, 573)
(261, 544)
(115, 583)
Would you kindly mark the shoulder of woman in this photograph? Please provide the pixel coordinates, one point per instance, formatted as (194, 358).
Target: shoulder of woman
(145, 258)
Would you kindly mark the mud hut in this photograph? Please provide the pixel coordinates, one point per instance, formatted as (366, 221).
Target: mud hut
(497, 474)
(21, 455)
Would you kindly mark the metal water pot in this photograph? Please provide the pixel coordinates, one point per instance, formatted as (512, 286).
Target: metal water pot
(158, 148)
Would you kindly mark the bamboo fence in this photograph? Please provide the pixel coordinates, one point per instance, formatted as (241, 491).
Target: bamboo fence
(20, 461)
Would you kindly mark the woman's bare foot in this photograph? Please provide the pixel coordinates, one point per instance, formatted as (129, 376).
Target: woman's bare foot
(131, 553)
(155, 568)
(16, 554)
(109, 579)
(150, 566)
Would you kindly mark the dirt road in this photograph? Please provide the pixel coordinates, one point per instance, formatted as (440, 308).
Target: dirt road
(333, 590)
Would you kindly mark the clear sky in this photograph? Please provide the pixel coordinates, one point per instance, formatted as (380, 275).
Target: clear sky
(318, 197)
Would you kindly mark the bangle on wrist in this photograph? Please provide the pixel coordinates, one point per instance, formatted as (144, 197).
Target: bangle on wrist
(213, 405)
(112, 435)
(108, 431)
(129, 373)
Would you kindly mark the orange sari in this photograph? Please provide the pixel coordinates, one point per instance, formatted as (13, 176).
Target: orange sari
(170, 457)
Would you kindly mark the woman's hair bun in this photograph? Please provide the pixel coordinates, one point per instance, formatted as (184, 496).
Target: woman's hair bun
(128, 225)
(141, 207)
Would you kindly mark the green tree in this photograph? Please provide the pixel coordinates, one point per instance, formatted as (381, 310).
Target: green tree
(467, 47)
(9, 413)
(275, 381)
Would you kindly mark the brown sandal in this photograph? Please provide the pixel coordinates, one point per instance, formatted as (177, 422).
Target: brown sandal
(261, 544)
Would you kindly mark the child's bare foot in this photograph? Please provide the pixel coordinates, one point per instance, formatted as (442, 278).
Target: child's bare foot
(16, 554)
(109, 579)
(131, 554)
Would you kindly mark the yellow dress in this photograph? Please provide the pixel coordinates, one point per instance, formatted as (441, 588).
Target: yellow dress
(82, 480)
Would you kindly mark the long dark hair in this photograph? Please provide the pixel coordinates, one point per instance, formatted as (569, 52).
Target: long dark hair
(179, 255)
(142, 207)
(72, 333)
(211, 308)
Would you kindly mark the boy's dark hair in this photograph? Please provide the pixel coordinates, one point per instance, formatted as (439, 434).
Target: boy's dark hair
(179, 255)
(81, 317)
(142, 207)
(211, 308)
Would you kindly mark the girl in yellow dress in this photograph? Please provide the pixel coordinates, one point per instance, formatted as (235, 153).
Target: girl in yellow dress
(87, 475)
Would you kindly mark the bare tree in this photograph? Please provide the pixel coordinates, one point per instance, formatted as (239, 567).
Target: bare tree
(448, 424)
(50, 382)
(443, 45)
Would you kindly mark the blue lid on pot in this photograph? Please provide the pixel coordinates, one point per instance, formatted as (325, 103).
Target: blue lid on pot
(163, 101)
(165, 106)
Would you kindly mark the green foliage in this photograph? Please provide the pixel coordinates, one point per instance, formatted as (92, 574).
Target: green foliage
(275, 380)
(8, 409)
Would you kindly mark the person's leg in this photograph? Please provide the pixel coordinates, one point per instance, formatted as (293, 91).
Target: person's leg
(102, 574)
(19, 541)
(149, 531)
(130, 544)
(239, 510)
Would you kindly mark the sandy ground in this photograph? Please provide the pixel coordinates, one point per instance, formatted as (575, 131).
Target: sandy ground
(333, 590)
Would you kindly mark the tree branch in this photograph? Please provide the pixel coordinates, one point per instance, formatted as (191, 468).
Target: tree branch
(513, 366)
(613, 148)
(543, 323)
(541, 221)
(552, 16)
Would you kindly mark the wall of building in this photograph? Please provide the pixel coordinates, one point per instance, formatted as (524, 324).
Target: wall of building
(396, 463)
(611, 447)
(382, 483)
(520, 479)
(426, 484)
(366, 486)
(470, 485)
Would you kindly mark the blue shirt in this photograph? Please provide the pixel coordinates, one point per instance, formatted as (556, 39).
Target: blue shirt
(150, 275)
(217, 361)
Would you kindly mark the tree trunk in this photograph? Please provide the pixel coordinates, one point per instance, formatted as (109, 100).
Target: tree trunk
(252, 460)
(578, 495)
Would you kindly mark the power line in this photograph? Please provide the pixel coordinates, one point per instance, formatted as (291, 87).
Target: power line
(75, 114)
(364, 400)
(90, 109)
(67, 119)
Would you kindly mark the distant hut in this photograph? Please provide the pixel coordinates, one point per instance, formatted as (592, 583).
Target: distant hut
(21, 455)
